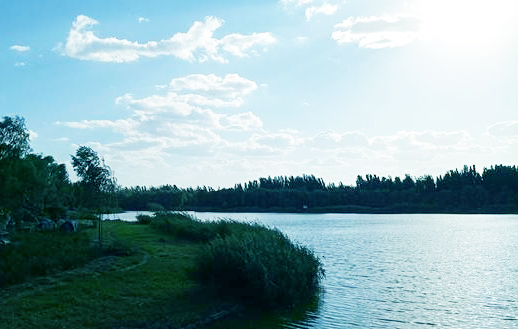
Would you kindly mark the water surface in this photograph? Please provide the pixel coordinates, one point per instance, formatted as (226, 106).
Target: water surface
(407, 271)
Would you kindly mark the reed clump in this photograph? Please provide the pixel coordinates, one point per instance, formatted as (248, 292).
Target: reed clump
(255, 265)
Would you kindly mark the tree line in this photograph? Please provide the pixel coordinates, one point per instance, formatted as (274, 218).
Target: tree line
(495, 190)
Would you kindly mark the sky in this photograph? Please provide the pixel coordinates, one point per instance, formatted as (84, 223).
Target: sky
(214, 93)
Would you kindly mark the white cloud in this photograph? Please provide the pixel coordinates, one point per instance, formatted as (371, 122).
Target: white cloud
(243, 121)
(282, 140)
(186, 94)
(33, 135)
(182, 118)
(230, 86)
(325, 9)
(504, 130)
(333, 141)
(61, 139)
(311, 8)
(19, 64)
(301, 40)
(378, 32)
(123, 126)
(20, 48)
(143, 20)
(197, 43)
(169, 103)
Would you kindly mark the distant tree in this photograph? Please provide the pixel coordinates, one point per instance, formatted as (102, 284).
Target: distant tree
(425, 184)
(408, 182)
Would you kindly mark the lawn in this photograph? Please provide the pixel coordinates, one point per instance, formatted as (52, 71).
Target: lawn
(151, 288)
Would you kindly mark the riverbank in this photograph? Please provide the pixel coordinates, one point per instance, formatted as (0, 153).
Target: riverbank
(153, 287)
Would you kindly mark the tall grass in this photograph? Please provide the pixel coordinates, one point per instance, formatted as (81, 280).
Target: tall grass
(253, 264)
(40, 253)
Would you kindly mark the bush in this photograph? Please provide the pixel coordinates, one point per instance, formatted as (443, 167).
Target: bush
(183, 227)
(84, 214)
(144, 219)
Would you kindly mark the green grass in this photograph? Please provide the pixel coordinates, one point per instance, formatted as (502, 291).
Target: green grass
(160, 293)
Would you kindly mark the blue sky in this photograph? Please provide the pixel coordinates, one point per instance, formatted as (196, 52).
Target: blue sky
(217, 93)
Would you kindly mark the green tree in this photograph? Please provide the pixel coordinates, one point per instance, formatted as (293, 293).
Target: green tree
(97, 184)
(14, 138)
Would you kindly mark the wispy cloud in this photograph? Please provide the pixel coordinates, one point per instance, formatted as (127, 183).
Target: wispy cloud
(504, 130)
(19, 64)
(376, 32)
(197, 44)
(301, 40)
(310, 7)
(231, 85)
(325, 9)
(297, 3)
(20, 48)
(143, 20)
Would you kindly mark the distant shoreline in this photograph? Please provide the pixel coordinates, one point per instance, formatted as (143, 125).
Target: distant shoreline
(351, 210)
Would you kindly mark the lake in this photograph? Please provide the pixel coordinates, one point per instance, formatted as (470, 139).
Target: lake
(406, 271)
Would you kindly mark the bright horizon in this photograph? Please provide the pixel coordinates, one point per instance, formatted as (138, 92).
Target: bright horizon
(220, 93)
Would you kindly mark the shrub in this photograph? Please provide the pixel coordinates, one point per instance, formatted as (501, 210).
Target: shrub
(144, 219)
(83, 214)
(183, 227)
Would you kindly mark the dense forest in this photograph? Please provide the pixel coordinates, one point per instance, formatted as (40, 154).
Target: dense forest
(33, 186)
(495, 190)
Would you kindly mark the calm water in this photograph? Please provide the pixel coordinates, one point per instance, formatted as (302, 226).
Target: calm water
(407, 271)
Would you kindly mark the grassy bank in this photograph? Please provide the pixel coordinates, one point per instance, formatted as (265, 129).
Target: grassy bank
(159, 285)
(256, 266)
(119, 292)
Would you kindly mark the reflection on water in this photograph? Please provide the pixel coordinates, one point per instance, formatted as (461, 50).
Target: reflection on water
(406, 271)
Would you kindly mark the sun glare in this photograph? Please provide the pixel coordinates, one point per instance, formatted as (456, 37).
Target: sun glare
(462, 27)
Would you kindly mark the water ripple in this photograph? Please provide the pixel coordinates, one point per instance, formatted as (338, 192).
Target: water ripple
(409, 271)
